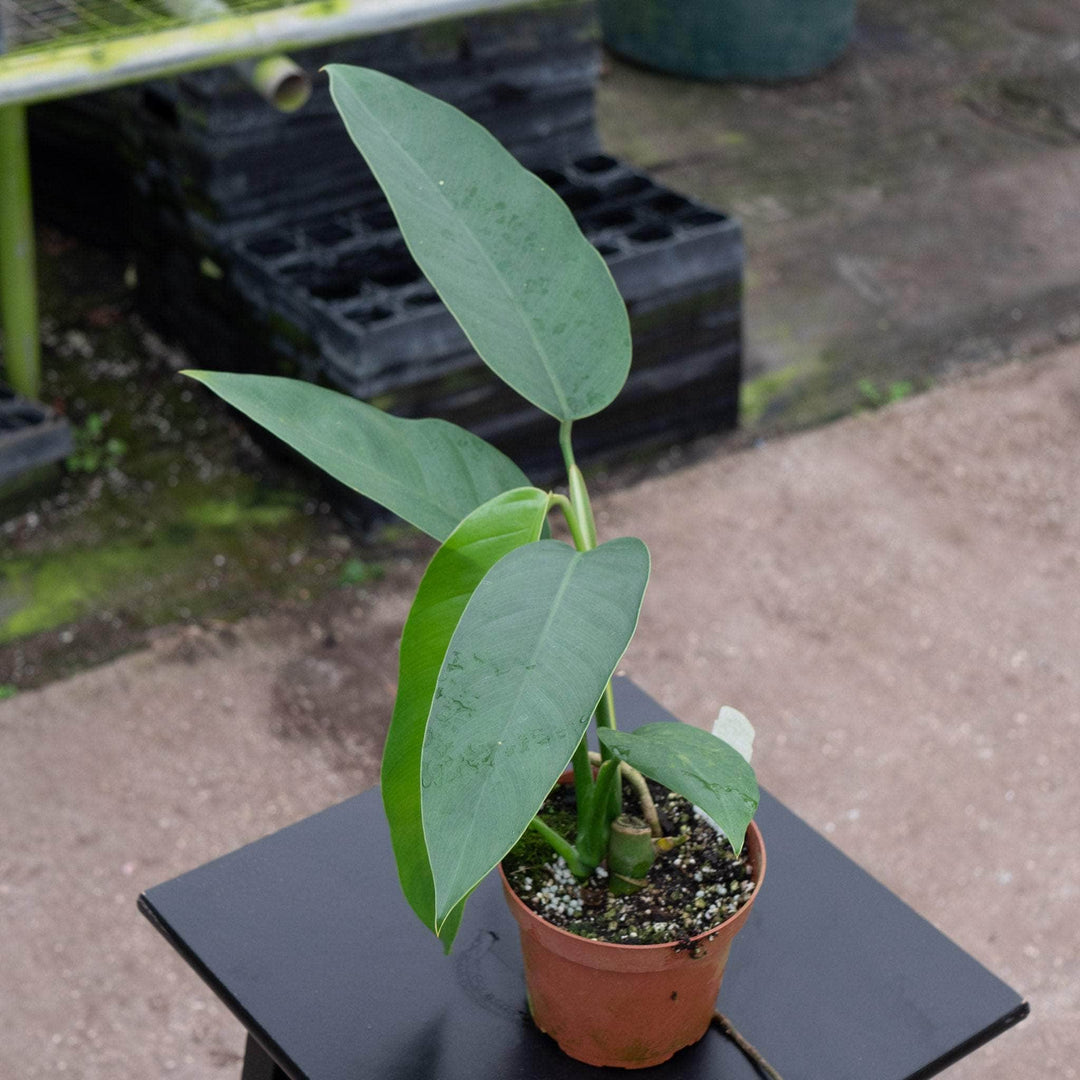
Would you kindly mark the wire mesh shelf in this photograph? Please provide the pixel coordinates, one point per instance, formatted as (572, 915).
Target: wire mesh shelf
(34, 25)
(53, 48)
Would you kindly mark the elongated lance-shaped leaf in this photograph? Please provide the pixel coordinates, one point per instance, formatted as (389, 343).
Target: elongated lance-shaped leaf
(429, 472)
(502, 250)
(524, 670)
(489, 532)
(696, 765)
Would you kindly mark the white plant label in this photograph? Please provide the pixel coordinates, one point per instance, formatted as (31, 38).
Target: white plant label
(735, 730)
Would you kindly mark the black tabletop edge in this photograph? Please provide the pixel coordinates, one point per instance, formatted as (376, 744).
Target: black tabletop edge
(992, 1031)
(254, 1029)
(626, 692)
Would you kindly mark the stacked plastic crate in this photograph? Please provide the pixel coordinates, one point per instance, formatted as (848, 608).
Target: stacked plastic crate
(263, 242)
(350, 305)
(32, 438)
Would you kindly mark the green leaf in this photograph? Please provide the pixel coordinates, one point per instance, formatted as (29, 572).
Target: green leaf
(489, 532)
(696, 765)
(451, 925)
(501, 248)
(429, 472)
(525, 668)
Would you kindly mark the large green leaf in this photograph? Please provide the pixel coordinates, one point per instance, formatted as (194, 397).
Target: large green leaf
(489, 532)
(429, 472)
(502, 250)
(696, 765)
(524, 670)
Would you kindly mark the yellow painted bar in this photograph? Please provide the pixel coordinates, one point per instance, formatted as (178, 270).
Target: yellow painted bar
(18, 277)
(63, 70)
(58, 70)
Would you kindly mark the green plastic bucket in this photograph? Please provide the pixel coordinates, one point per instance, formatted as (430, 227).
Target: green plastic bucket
(750, 40)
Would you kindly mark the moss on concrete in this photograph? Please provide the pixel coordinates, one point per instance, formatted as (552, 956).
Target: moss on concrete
(757, 395)
(191, 520)
(204, 559)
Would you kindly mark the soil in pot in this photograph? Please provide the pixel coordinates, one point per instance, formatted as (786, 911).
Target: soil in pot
(636, 999)
(691, 888)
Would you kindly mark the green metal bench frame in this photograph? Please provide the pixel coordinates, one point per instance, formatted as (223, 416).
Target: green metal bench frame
(132, 53)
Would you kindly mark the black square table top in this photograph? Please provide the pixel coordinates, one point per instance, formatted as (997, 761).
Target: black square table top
(306, 937)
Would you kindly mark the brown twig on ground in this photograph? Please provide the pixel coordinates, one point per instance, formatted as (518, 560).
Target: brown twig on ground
(749, 1050)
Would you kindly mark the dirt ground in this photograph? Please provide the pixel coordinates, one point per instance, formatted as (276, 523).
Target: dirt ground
(892, 600)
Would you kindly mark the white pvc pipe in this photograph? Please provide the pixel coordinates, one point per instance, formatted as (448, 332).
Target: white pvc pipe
(278, 79)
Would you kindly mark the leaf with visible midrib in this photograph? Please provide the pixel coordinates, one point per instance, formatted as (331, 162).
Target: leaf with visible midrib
(489, 532)
(528, 662)
(695, 764)
(429, 472)
(502, 250)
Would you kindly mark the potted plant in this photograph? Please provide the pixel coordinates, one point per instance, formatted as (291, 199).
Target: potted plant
(512, 639)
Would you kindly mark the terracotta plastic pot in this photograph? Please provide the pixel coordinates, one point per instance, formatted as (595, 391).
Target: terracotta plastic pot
(626, 1005)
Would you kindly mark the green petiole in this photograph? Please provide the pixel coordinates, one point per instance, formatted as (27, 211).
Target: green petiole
(561, 846)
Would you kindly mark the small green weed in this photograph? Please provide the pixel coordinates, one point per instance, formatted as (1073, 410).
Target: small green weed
(93, 450)
(756, 395)
(358, 572)
(871, 396)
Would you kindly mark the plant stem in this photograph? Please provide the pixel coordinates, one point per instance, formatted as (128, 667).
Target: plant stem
(579, 497)
(605, 717)
(592, 839)
(605, 711)
(565, 445)
(579, 493)
(579, 516)
(641, 790)
(630, 855)
(577, 534)
(583, 783)
(648, 807)
(562, 847)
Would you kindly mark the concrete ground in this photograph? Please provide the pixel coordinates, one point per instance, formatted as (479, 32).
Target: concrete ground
(914, 208)
(892, 598)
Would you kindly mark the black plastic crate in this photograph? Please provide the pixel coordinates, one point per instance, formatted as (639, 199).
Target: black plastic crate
(348, 284)
(475, 61)
(273, 168)
(337, 297)
(206, 143)
(247, 178)
(31, 436)
(262, 242)
(81, 137)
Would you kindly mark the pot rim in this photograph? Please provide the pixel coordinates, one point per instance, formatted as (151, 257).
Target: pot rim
(758, 878)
